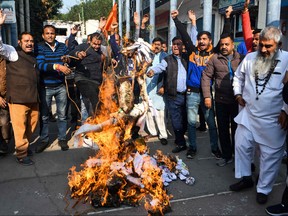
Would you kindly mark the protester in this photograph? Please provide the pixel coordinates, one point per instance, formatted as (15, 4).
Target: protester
(198, 57)
(164, 46)
(258, 83)
(221, 68)
(251, 37)
(88, 71)
(156, 113)
(50, 54)
(175, 90)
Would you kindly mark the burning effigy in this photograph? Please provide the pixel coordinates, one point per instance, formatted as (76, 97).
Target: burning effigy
(122, 171)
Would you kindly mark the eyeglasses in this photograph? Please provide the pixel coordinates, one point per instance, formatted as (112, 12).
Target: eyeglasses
(267, 46)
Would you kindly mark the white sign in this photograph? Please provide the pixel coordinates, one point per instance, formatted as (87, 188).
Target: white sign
(8, 8)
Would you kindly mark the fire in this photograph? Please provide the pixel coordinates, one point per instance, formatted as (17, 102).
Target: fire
(122, 171)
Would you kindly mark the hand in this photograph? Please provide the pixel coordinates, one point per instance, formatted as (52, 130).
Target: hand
(282, 119)
(64, 69)
(3, 102)
(74, 30)
(114, 25)
(228, 11)
(208, 102)
(246, 4)
(81, 54)
(145, 18)
(136, 19)
(150, 73)
(102, 22)
(161, 91)
(240, 100)
(65, 59)
(2, 17)
(174, 14)
(192, 16)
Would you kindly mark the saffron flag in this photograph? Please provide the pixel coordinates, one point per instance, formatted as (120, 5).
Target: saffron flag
(111, 18)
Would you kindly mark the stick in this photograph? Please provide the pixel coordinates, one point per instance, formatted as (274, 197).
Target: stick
(69, 56)
(180, 5)
(87, 49)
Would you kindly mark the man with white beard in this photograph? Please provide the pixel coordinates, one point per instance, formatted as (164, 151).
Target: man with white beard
(258, 84)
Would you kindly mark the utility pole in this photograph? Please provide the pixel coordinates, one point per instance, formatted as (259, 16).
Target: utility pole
(172, 27)
(21, 15)
(27, 12)
(127, 12)
(273, 13)
(120, 17)
(83, 19)
(152, 20)
(207, 15)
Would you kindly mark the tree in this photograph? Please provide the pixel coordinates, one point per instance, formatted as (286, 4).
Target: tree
(93, 9)
(42, 11)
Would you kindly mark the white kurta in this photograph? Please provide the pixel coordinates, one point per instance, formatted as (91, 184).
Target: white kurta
(258, 121)
(261, 116)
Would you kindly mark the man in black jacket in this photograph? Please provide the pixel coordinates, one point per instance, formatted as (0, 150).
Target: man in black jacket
(88, 71)
(175, 75)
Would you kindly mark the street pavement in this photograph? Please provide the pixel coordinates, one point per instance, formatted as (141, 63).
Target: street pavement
(42, 189)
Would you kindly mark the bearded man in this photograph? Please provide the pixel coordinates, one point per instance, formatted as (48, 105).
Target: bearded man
(258, 84)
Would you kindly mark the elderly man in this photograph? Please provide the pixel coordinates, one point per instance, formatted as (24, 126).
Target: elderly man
(174, 68)
(258, 84)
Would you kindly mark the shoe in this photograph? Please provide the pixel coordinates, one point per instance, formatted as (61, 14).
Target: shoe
(191, 153)
(63, 145)
(29, 153)
(224, 162)
(217, 154)
(279, 209)
(261, 198)
(178, 149)
(241, 185)
(201, 129)
(26, 161)
(164, 141)
(41, 147)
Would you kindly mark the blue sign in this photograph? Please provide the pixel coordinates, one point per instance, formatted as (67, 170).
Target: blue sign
(236, 4)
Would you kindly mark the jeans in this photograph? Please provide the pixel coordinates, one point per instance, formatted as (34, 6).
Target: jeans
(177, 112)
(193, 101)
(60, 95)
(225, 118)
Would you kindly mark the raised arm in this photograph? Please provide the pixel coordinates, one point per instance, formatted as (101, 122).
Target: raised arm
(72, 43)
(246, 27)
(143, 29)
(227, 29)
(194, 32)
(190, 47)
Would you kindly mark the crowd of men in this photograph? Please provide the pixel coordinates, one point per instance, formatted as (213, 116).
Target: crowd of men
(250, 112)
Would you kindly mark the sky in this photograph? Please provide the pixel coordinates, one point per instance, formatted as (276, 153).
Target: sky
(67, 4)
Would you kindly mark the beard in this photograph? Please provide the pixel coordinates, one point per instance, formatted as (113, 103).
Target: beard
(263, 64)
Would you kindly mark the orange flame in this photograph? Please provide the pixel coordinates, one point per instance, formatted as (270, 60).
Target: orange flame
(110, 177)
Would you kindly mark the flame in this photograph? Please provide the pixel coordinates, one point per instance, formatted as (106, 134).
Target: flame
(121, 172)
